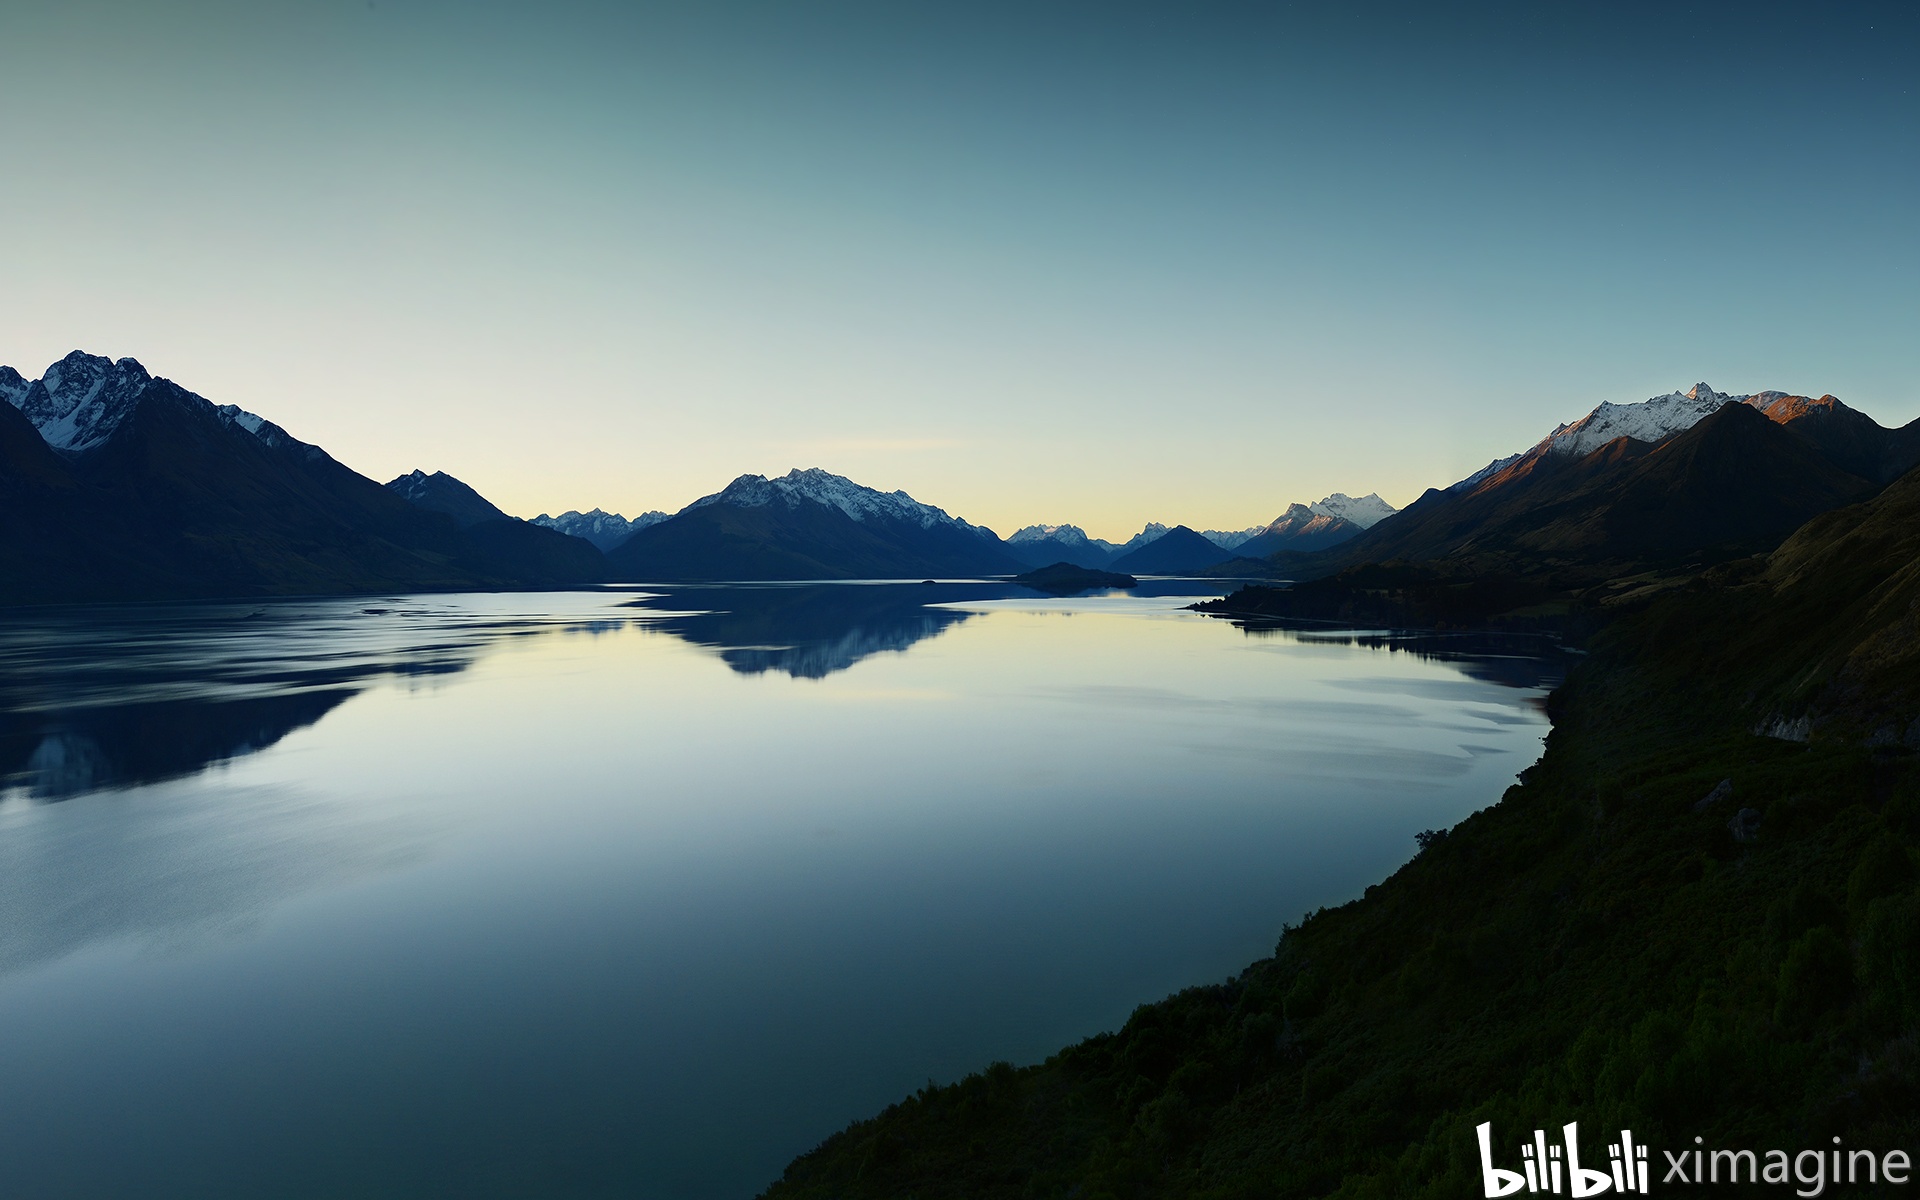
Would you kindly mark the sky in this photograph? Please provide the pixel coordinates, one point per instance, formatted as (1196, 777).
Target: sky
(1093, 263)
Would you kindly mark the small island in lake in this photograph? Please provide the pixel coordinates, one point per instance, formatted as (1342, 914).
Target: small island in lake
(1063, 577)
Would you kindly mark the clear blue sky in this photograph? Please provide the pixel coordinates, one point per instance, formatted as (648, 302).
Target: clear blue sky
(1099, 263)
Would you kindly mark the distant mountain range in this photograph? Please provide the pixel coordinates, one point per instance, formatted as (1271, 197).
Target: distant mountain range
(604, 529)
(808, 525)
(1179, 551)
(1302, 527)
(1044, 545)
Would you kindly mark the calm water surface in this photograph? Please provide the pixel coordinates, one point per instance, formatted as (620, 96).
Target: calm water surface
(642, 894)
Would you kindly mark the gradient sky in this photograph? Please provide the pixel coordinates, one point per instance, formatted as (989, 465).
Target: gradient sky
(1098, 263)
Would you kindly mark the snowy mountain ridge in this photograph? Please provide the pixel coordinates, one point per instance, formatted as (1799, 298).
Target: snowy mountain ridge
(1153, 531)
(80, 401)
(1491, 469)
(1651, 420)
(604, 529)
(1648, 421)
(1069, 535)
(817, 486)
(1230, 538)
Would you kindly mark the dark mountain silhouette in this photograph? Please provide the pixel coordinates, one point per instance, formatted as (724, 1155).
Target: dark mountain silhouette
(169, 496)
(1826, 643)
(1176, 552)
(808, 525)
(442, 493)
(1064, 579)
(537, 553)
(1848, 438)
(54, 755)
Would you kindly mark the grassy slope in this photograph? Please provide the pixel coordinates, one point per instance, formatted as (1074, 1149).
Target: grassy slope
(1590, 948)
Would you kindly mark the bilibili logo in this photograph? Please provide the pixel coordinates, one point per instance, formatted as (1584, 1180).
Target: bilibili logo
(1543, 1169)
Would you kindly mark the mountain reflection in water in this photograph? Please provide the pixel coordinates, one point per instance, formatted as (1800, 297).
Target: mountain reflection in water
(98, 697)
(502, 895)
(811, 630)
(117, 696)
(1518, 660)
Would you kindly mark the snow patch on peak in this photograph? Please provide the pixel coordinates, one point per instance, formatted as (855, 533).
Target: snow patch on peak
(1366, 511)
(1491, 469)
(817, 486)
(248, 421)
(239, 418)
(233, 414)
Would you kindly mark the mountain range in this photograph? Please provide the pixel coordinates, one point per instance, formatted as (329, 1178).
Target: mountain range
(604, 529)
(1301, 527)
(808, 524)
(126, 485)
(1688, 477)
(122, 485)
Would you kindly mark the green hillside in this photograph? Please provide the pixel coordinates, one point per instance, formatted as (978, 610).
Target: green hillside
(1618, 941)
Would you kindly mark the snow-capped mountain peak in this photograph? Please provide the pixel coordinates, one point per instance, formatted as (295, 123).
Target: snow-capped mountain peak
(82, 399)
(604, 529)
(1648, 421)
(835, 491)
(1227, 539)
(1366, 511)
(1069, 534)
(1152, 531)
(1651, 420)
(13, 387)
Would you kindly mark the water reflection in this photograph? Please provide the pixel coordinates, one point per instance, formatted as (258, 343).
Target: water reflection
(70, 751)
(96, 698)
(103, 697)
(548, 914)
(811, 630)
(1517, 660)
(117, 696)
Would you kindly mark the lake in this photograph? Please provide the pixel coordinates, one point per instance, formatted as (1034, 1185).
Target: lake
(643, 892)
